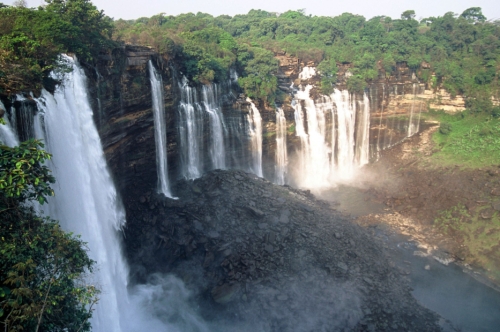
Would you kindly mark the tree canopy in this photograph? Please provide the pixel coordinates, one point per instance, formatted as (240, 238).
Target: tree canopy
(461, 53)
(31, 40)
(42, 270)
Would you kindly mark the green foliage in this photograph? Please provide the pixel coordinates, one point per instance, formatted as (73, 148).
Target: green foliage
(444, 128)
(31, 40)
(23, 174)
(258, 78)
(207, 55)
(473, 15)
(469, 139)
(462, 54)
(356, 84)
(42, 268)
(479, 235)
(408, 15)
(41, 275)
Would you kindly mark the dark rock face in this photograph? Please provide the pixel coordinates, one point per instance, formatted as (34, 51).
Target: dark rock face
(275, 257)
(120, 93)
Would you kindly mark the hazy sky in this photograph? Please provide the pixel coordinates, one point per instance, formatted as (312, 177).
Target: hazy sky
(129, 9)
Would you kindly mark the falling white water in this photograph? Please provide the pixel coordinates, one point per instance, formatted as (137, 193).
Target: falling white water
(411, 126)
(7, 134)
(211, 104)
(25, 115)
(281, 149)
(334, 135)
(255, 130)
(307, 73)
(315, 155)
(190, 132)
(363, 133)
(160, 130)
(346, 119)
(86, 201)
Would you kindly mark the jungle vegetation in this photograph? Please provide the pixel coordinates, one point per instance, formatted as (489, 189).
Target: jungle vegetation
(43, 268)
(460, 53)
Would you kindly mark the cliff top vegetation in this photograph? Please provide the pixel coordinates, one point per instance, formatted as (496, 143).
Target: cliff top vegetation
(31, 40)
(458, 52)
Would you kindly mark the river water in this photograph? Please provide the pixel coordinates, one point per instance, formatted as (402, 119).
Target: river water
(449, 290)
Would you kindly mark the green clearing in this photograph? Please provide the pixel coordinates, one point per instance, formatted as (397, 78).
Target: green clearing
(468, 140)
(479, 234)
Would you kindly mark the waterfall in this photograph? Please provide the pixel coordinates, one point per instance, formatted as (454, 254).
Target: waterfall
(24, 120)
(211, 103)
(7, 134)
(363, 133)
(411, 126)
(334, 134)
(160, 129)
(346, 117)
(255, 130)
(85, 200)
(190, 132)
(315, 160)
(281, 149)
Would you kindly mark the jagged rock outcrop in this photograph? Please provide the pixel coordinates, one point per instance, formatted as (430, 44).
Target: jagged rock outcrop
(273, 256)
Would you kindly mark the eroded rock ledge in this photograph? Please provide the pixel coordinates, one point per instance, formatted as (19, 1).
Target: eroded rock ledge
(270, 257)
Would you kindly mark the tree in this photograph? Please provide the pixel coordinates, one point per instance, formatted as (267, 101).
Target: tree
(473, 15)
(89, 28)
(42, 269)
(23, 176)
(258, 79)
(21, 3)
(408, 15)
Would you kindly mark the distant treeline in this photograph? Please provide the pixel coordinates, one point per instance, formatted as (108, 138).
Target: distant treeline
(463, 51)
(460, 53)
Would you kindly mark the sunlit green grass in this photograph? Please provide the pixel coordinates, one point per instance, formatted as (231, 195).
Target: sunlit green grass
(481, 236)
(473, 142)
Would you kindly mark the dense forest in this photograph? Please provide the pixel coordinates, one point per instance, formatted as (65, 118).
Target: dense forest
(457, 52)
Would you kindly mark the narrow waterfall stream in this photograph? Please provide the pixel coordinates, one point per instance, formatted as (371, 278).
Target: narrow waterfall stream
(160, 130)
(255, 130)
(202, 147)
(190, 132)
(314, 154)
(7, 134)
(346, 119)
(362, 156)
(211, 104)
(85, 200)
(281, 148)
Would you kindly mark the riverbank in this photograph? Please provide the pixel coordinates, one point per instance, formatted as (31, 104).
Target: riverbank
(451, 211)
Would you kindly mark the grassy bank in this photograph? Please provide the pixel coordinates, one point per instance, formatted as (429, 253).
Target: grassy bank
(468, 140)
(478, 229)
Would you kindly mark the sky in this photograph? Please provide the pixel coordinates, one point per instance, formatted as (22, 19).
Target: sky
(132, 9)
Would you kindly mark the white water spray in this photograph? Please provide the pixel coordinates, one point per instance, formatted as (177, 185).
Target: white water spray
(160, 130)
(86, 201)
(411, 126)
(334, 135)
(255, 130)
(190, 132)
(315, 154)
(363, 133)
(212, 107)
(281, 148)
(7, 134)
